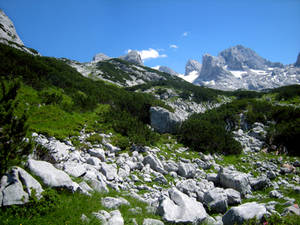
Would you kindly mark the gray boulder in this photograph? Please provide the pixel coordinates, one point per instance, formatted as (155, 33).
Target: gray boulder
(229, 178)
(187, 170)
(239, 214)
(133, 57)
(51, 176)
(177, 207)
(259, 183)
(97, 152)
(74, 169)
(109, 170)
(291, 210)
(149, 221)
(113, 203)
(154, 163)
(164, 121)
(112, 218)
(115, 218)
(216, 200)
(170, 166)
(16, 187)
(233, 196)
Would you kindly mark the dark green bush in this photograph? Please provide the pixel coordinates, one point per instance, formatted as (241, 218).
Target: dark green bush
(14, 148)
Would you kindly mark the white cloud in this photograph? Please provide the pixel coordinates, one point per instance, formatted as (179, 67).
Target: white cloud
(173, 46)
(150, 54)
(185, 34)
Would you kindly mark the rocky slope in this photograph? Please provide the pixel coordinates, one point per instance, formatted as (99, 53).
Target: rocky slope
(242, 68)
(179, 185)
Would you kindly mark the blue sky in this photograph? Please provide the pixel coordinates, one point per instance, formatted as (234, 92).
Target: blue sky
(169, 31)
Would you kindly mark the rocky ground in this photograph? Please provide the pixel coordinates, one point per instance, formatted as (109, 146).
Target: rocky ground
(179, 185)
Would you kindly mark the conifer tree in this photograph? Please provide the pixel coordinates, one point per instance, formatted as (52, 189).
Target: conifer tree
(14, 147)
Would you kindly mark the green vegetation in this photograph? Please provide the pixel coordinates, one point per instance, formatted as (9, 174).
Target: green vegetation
(14, 148)
(60, 207)
(63, 101)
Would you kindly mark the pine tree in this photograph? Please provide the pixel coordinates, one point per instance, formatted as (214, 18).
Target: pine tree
(14, 147)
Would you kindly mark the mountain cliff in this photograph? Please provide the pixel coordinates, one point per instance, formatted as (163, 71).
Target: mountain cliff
(242, 68)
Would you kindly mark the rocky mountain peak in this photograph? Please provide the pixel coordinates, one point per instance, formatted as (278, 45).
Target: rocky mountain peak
(297, 64)
(192, 65)
(100, 57)
(133, 57)
(212, 68)
(238, 57)
(7, 30)
(168, 70)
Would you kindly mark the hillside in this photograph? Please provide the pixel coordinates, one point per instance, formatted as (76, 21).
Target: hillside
(115, 142)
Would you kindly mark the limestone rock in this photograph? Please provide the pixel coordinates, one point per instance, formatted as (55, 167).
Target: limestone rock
(8, 30)
(149, 221)
(179, 208)
(233, 179)
(133, 57)
(109, 170)
(234, 197)
(113, 203)
(216, 199)
(51, 176)
(16, 187)
(239, 214)
(187, 170)
(164, 121)
(154, 163)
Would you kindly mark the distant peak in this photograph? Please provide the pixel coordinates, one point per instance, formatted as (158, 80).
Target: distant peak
(100, 57)
(133, 56)
(192, 65)
(297, 64)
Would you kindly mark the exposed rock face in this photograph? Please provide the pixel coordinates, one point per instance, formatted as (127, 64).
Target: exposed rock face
(149, 221)
(239, 214)
(168, 70)
(192, 65)
(238, 56)
(297, 63)
(179, 208)
(133, 57)
(16, 187)
(100, 57)
(111, 218)
(242, 68)
(8, 30)
(163, 121)
(212, 69)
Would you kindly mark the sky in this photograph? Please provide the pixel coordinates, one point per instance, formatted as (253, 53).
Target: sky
(165, 32)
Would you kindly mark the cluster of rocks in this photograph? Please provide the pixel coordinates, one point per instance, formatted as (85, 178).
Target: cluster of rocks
(184, 191)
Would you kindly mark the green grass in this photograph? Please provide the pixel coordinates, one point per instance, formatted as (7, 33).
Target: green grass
(69, 209)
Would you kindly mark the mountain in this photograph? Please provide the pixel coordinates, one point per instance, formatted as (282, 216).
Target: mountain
(191, 66)
(297, 63)
(9, 36)
(133, 57)
(242, 68)
(162, 152)
(166, 69)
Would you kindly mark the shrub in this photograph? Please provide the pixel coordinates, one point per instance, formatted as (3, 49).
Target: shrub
(14, 147)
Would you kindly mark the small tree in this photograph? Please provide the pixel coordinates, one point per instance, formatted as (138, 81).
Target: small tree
(14, 148)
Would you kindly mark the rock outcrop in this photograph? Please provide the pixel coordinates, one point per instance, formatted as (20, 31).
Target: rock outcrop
(100, 57)
(133, 57)
(16, 187)
(164, 121)
(192, 65)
